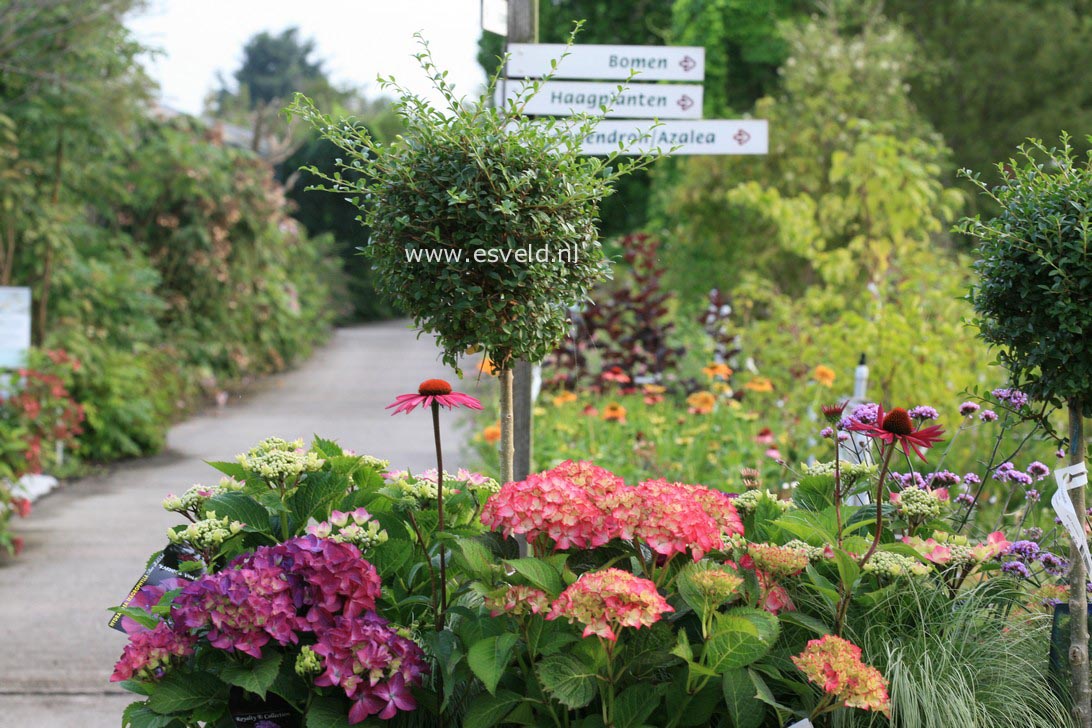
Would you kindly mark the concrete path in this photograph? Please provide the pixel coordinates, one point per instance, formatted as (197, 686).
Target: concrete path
(87, 544)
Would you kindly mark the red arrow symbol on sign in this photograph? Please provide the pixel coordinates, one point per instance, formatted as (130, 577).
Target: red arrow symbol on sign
(742, 137)
(685, 102)
(688, 63)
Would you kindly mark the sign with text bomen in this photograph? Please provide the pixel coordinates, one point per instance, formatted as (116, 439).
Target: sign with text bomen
(607, 62)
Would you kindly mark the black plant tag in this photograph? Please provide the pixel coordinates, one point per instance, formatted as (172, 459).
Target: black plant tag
(250, 711)
(167, 565)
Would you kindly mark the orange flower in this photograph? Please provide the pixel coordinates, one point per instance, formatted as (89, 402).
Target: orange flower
(614, 412)
(701, 403)
(759, 384)
(824, 375)
(564, 398)
(492, 433)
(717, 371)
(486, 366)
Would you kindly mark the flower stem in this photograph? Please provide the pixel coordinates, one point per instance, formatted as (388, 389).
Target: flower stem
(441, 608)
(888, 452)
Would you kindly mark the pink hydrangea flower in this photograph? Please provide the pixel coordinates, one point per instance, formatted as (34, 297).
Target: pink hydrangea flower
(547, 504)
(676, 517)
(835, 665)
(605, 601)
(516, 600)
(150, 653)
(373, 664)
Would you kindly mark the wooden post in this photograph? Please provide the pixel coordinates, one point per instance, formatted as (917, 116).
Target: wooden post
(1081, 691)
(522, 28)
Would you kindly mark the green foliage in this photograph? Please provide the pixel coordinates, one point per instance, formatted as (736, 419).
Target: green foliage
(959, 663)
(480, 184)
(1035, 287)
(245, 289)
(986, 102)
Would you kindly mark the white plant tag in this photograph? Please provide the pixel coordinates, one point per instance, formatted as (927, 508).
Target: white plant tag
(806, 723)
(1074, 476)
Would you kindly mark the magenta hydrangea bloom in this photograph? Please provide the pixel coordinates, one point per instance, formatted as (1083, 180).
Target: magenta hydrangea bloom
(150, 652)
(433, 391)
(374, 665)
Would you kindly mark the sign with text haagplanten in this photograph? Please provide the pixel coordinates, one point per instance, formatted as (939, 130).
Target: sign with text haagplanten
(711, 136)
(14, 327)
(634, 101)
(607, 62)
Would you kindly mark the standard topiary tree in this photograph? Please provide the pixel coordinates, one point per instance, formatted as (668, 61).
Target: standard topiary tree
(483, 222)
(1033, 300)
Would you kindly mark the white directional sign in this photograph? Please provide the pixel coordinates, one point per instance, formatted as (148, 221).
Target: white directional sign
(607, 62)
(14, 327)
(636, 101)
(712, 136)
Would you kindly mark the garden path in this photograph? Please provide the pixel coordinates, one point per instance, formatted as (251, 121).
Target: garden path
(87, 543)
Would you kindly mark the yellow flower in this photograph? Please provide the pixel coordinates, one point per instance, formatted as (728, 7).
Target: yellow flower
(492, 433)
(564, 398)
(701, 403)
(722, 388)
(683, 440)
(824, 375)
(717, 371)
(759, 384)
(614, 412)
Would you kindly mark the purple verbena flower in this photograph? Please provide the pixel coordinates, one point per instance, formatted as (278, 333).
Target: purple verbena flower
(971, 479)
(988, 415)
(1023, 550)
(967, 409)
(826, 432)
(1016, 568)
(1013, 397)
(1038, 470)
(1053, 564)
(924, 412)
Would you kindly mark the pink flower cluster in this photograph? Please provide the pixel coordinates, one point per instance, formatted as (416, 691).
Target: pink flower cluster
(516, 599)
(373, 664)
(278, 593)
(149, 653)
(605, 601)
(580, 504)
(835, 664)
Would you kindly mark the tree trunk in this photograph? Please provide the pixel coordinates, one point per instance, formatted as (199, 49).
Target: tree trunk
(507, 441)
(1078, 593)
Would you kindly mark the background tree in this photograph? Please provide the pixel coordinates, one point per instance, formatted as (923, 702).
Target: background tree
(991, 81)
(1032, 302)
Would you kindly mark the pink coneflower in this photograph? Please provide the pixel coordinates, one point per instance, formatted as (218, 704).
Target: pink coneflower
(434, 394)
(896, 428)
(433, 391)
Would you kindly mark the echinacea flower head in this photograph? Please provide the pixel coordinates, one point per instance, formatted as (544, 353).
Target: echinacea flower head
(430, 392)
(896, 428)
(605, 601)
(835, 665)
(832, 413)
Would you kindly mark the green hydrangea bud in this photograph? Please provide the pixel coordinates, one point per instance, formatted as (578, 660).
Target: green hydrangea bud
(307, 662)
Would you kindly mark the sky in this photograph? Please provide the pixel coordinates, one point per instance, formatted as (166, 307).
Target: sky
(357, 40)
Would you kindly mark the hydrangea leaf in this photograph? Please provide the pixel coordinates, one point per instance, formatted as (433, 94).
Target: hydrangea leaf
(255, 676)
(567, 679)
(489, 657)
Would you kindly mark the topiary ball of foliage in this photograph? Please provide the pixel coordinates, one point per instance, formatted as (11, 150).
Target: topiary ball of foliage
(1034, 295)
(483, 222)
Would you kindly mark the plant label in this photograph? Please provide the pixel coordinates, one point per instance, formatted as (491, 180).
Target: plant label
(14, 327)
(1074, 476)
